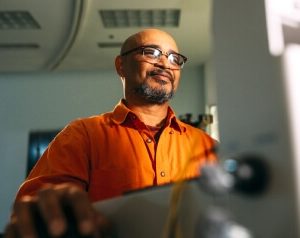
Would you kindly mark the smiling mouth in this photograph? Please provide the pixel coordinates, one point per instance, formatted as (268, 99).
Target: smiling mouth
(161, 79)
(161, 76)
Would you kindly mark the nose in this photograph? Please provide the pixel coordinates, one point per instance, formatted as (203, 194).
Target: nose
(163, 62)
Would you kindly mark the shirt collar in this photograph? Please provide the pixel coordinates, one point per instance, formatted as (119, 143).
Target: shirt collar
(121, 112)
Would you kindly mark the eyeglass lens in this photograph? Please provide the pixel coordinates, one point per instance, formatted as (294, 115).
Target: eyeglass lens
(155, 54)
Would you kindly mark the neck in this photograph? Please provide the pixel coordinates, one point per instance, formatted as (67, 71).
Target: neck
(151, 114)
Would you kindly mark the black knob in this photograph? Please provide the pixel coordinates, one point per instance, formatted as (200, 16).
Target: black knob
(250, 172)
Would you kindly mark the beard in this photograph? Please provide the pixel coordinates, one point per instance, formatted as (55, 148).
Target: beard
(154, 95)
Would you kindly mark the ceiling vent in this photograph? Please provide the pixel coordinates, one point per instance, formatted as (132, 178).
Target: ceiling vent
(17, 20)
(140, 18)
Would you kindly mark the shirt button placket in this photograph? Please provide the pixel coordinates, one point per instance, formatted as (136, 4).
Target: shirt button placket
(150, 145)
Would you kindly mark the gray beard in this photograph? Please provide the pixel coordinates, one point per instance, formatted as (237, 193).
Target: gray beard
(154, 95)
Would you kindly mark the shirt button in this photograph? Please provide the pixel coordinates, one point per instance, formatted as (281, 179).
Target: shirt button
(148, 140)
(171, 132)
(162, 173)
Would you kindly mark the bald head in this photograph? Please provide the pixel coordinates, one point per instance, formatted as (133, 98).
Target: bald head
(148, 79)
(145, 37)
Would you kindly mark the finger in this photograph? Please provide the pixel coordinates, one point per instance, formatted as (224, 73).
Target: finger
(51, 211)
(82, 211)
(104, 226)
(11, 231)
(23, 217)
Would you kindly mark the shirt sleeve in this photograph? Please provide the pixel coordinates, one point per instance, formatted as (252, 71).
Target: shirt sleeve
(66, 160)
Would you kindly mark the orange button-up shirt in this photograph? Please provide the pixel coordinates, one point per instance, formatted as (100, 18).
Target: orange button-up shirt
(112, 153)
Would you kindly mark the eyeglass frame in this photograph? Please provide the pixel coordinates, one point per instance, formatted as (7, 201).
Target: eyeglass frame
(167, 54)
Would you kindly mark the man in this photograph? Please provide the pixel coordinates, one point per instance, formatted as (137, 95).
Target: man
(139, 144)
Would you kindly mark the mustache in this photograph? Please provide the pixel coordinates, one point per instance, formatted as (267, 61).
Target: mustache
(160, 71)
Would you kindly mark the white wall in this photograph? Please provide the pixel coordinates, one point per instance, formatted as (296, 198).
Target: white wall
(210, 84)
(31, 101)
(252, 115)
(190, 97)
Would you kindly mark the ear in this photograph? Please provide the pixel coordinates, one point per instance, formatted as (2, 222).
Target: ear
(119, 66)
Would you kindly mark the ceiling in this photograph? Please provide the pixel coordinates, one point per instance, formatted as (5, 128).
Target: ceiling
(37, 35)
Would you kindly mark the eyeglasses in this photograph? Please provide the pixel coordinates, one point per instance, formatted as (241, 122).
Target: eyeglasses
(154, 54)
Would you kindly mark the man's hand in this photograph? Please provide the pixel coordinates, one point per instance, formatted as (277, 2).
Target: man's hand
(56, 211)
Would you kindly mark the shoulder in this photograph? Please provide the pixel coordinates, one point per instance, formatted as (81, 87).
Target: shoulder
(94, 119)
(191, 129)
(83, 125)
(196, 133)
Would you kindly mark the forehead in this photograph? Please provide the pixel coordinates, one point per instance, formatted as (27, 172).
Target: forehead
(155, 37)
